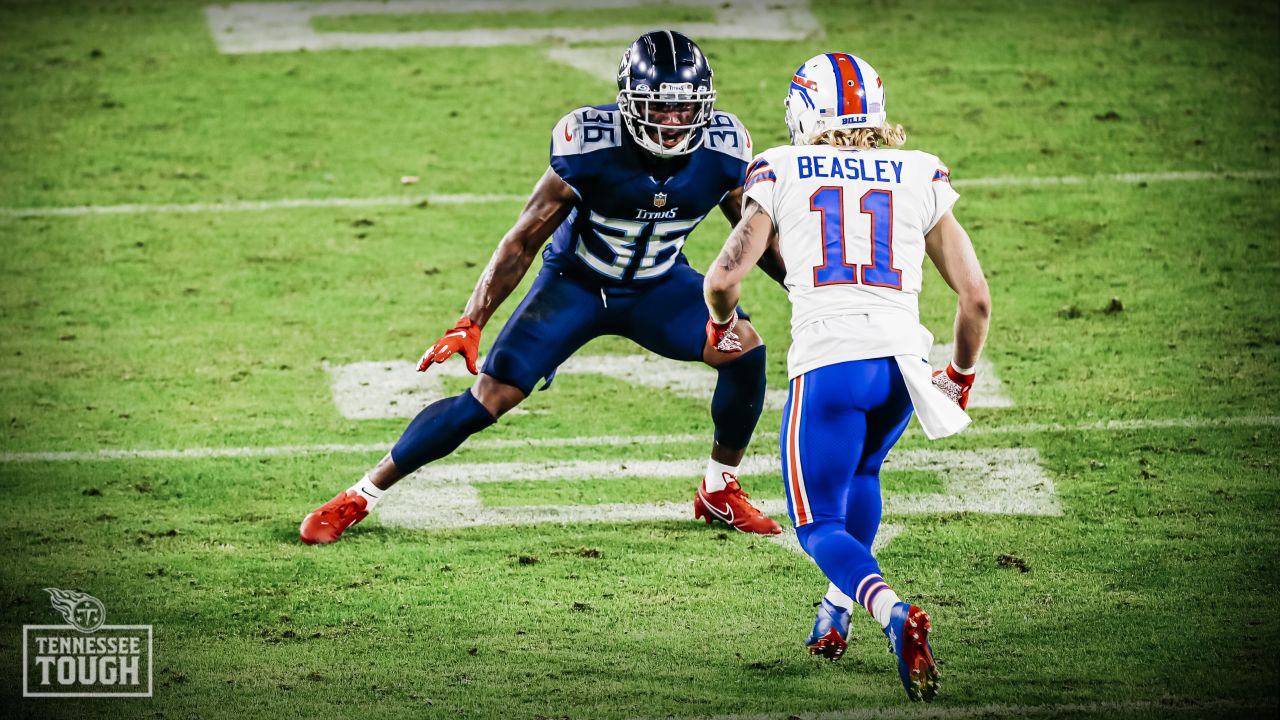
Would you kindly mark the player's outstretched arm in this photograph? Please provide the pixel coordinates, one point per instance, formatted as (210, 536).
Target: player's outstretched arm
(771, 259)
(949, 247)
(550, 203)
(746, 244)
(548, 206)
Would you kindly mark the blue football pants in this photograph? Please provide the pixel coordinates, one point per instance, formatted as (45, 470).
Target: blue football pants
(837, 427)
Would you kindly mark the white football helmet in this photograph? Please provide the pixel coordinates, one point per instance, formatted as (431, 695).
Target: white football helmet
(833, 91)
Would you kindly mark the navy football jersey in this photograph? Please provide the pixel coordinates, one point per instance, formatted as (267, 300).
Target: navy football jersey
(630, 226)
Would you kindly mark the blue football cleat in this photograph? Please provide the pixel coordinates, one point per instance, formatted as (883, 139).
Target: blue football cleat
(830, 634)
(908, 634)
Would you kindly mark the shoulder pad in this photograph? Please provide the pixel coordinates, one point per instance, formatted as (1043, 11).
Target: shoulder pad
(727, 134)
(762, 168)
(585, 130)
(934, 168)
(774, 155)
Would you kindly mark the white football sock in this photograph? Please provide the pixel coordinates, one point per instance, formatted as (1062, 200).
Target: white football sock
(837, 597)
(881, 598)
(367, 490)
(714, 480)
(883, 606)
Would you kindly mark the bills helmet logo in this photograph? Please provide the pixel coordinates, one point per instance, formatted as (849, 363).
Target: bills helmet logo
(82, 611)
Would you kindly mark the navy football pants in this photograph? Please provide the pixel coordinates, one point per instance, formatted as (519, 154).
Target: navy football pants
(561, 314)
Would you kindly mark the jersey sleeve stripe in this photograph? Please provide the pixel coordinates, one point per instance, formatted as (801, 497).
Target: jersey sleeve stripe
(762, 176)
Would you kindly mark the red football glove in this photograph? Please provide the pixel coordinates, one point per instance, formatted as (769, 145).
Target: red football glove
(954, 385)
(722, 337)
(463, 337)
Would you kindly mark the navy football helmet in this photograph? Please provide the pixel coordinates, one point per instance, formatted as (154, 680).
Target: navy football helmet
(665, 93)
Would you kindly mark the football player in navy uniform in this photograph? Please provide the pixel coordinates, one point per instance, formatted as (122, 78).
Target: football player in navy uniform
(628, 182)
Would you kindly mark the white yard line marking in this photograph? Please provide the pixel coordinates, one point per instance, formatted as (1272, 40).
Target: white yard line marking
(257, 205)
(340, 448)
(1000, 481)
(982, 481)
(944, 712)
(287, 27)
(396, 201)
(1194, 176)
(394, 389)
(762, 438)
(1117, 425)
(598, 62)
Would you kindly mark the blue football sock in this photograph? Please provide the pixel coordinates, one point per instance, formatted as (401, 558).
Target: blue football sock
(438, 430)
(738, 399)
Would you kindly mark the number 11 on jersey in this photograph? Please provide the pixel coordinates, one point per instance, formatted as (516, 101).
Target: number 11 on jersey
(834, 270)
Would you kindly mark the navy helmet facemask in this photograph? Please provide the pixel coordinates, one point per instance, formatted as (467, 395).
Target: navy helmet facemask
(665, 93)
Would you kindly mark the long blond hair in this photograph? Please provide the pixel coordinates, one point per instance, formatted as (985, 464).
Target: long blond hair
(864, 138)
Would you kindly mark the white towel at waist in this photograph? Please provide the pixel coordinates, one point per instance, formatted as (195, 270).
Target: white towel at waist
(937, 414)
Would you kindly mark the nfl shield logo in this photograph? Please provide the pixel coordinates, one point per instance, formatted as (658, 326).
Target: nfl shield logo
(659, 200)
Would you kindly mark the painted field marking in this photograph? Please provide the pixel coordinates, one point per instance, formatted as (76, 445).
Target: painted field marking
(287, 27)
(468, 199)
(1002, 481)
(1132, 178)
(1170, 706)
(259, 205)
(761, 439)
(394, 389)
(598, 62)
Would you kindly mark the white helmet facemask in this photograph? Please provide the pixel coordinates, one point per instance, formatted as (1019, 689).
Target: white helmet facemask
(640, 103)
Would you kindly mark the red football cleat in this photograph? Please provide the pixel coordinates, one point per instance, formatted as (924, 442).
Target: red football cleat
(908, 634)
(731, 506)
(326, 523)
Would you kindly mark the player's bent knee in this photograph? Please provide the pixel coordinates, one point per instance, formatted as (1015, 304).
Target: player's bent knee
(812, 535)
(747, 335)
(497, 397)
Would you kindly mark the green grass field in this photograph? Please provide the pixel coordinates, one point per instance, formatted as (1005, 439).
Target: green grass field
(1152, 592)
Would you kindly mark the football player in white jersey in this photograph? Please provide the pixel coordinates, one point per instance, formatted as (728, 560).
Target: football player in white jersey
(852, 219)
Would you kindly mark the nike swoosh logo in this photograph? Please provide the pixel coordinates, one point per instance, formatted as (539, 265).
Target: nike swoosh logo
(726, 514)
(457, 334)
(567, 136)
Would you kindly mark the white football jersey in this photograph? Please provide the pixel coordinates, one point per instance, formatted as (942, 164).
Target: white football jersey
(851, 227)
